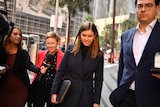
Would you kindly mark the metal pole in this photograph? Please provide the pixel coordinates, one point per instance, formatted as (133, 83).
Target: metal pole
(113, 33)
(67, 37)
(56, 16)
(68, 31)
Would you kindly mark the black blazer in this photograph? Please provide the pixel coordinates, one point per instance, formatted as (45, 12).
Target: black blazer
(21, 64)
(86, 87)
(147, 87)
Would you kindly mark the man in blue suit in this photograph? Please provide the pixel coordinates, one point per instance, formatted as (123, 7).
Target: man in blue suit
(137, 86)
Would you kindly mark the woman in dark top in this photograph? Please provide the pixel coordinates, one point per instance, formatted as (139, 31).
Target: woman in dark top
(83, 65)
(14, 81)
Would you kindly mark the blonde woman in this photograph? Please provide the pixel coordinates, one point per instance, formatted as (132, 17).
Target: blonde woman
(50, 58)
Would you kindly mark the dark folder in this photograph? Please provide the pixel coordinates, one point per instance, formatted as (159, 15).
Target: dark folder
(63, 90)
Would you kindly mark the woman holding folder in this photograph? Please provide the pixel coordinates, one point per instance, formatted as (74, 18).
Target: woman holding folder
(83, 65)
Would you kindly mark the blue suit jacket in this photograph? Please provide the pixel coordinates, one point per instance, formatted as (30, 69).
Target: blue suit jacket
(147, 87)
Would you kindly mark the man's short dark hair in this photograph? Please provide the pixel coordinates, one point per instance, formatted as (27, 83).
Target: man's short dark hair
(156, 2)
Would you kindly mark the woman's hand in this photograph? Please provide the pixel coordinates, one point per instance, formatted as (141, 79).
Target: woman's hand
(156, 75)
(43, 69)
(2, 71)
(96, 105)
(53, 98)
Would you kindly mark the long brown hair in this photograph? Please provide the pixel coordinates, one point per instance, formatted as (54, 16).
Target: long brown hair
(7, 41)
(95, 48)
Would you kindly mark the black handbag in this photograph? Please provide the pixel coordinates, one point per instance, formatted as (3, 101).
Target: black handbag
(63, 90)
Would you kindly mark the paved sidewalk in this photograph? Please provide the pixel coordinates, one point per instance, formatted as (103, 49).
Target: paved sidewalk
(109, 84)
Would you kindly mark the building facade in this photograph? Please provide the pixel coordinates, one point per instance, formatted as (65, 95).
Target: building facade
(34, 17)
(104, 8)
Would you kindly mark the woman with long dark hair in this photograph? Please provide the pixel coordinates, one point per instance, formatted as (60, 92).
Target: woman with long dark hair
(14, 81)
(83, 65)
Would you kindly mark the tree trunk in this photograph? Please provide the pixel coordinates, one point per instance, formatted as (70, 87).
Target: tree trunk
(68, 30)
(5, 6)
(113, 34)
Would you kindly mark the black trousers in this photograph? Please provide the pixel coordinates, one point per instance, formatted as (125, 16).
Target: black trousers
(42, 95)
(129, 100)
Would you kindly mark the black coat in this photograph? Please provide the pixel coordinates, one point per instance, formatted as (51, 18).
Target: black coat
(21, 64)
(86, 77)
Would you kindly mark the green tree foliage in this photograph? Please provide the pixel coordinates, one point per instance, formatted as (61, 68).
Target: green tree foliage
(89, 18)
(101, 40)
(73, 7)
(127, 24)
(107, 32)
